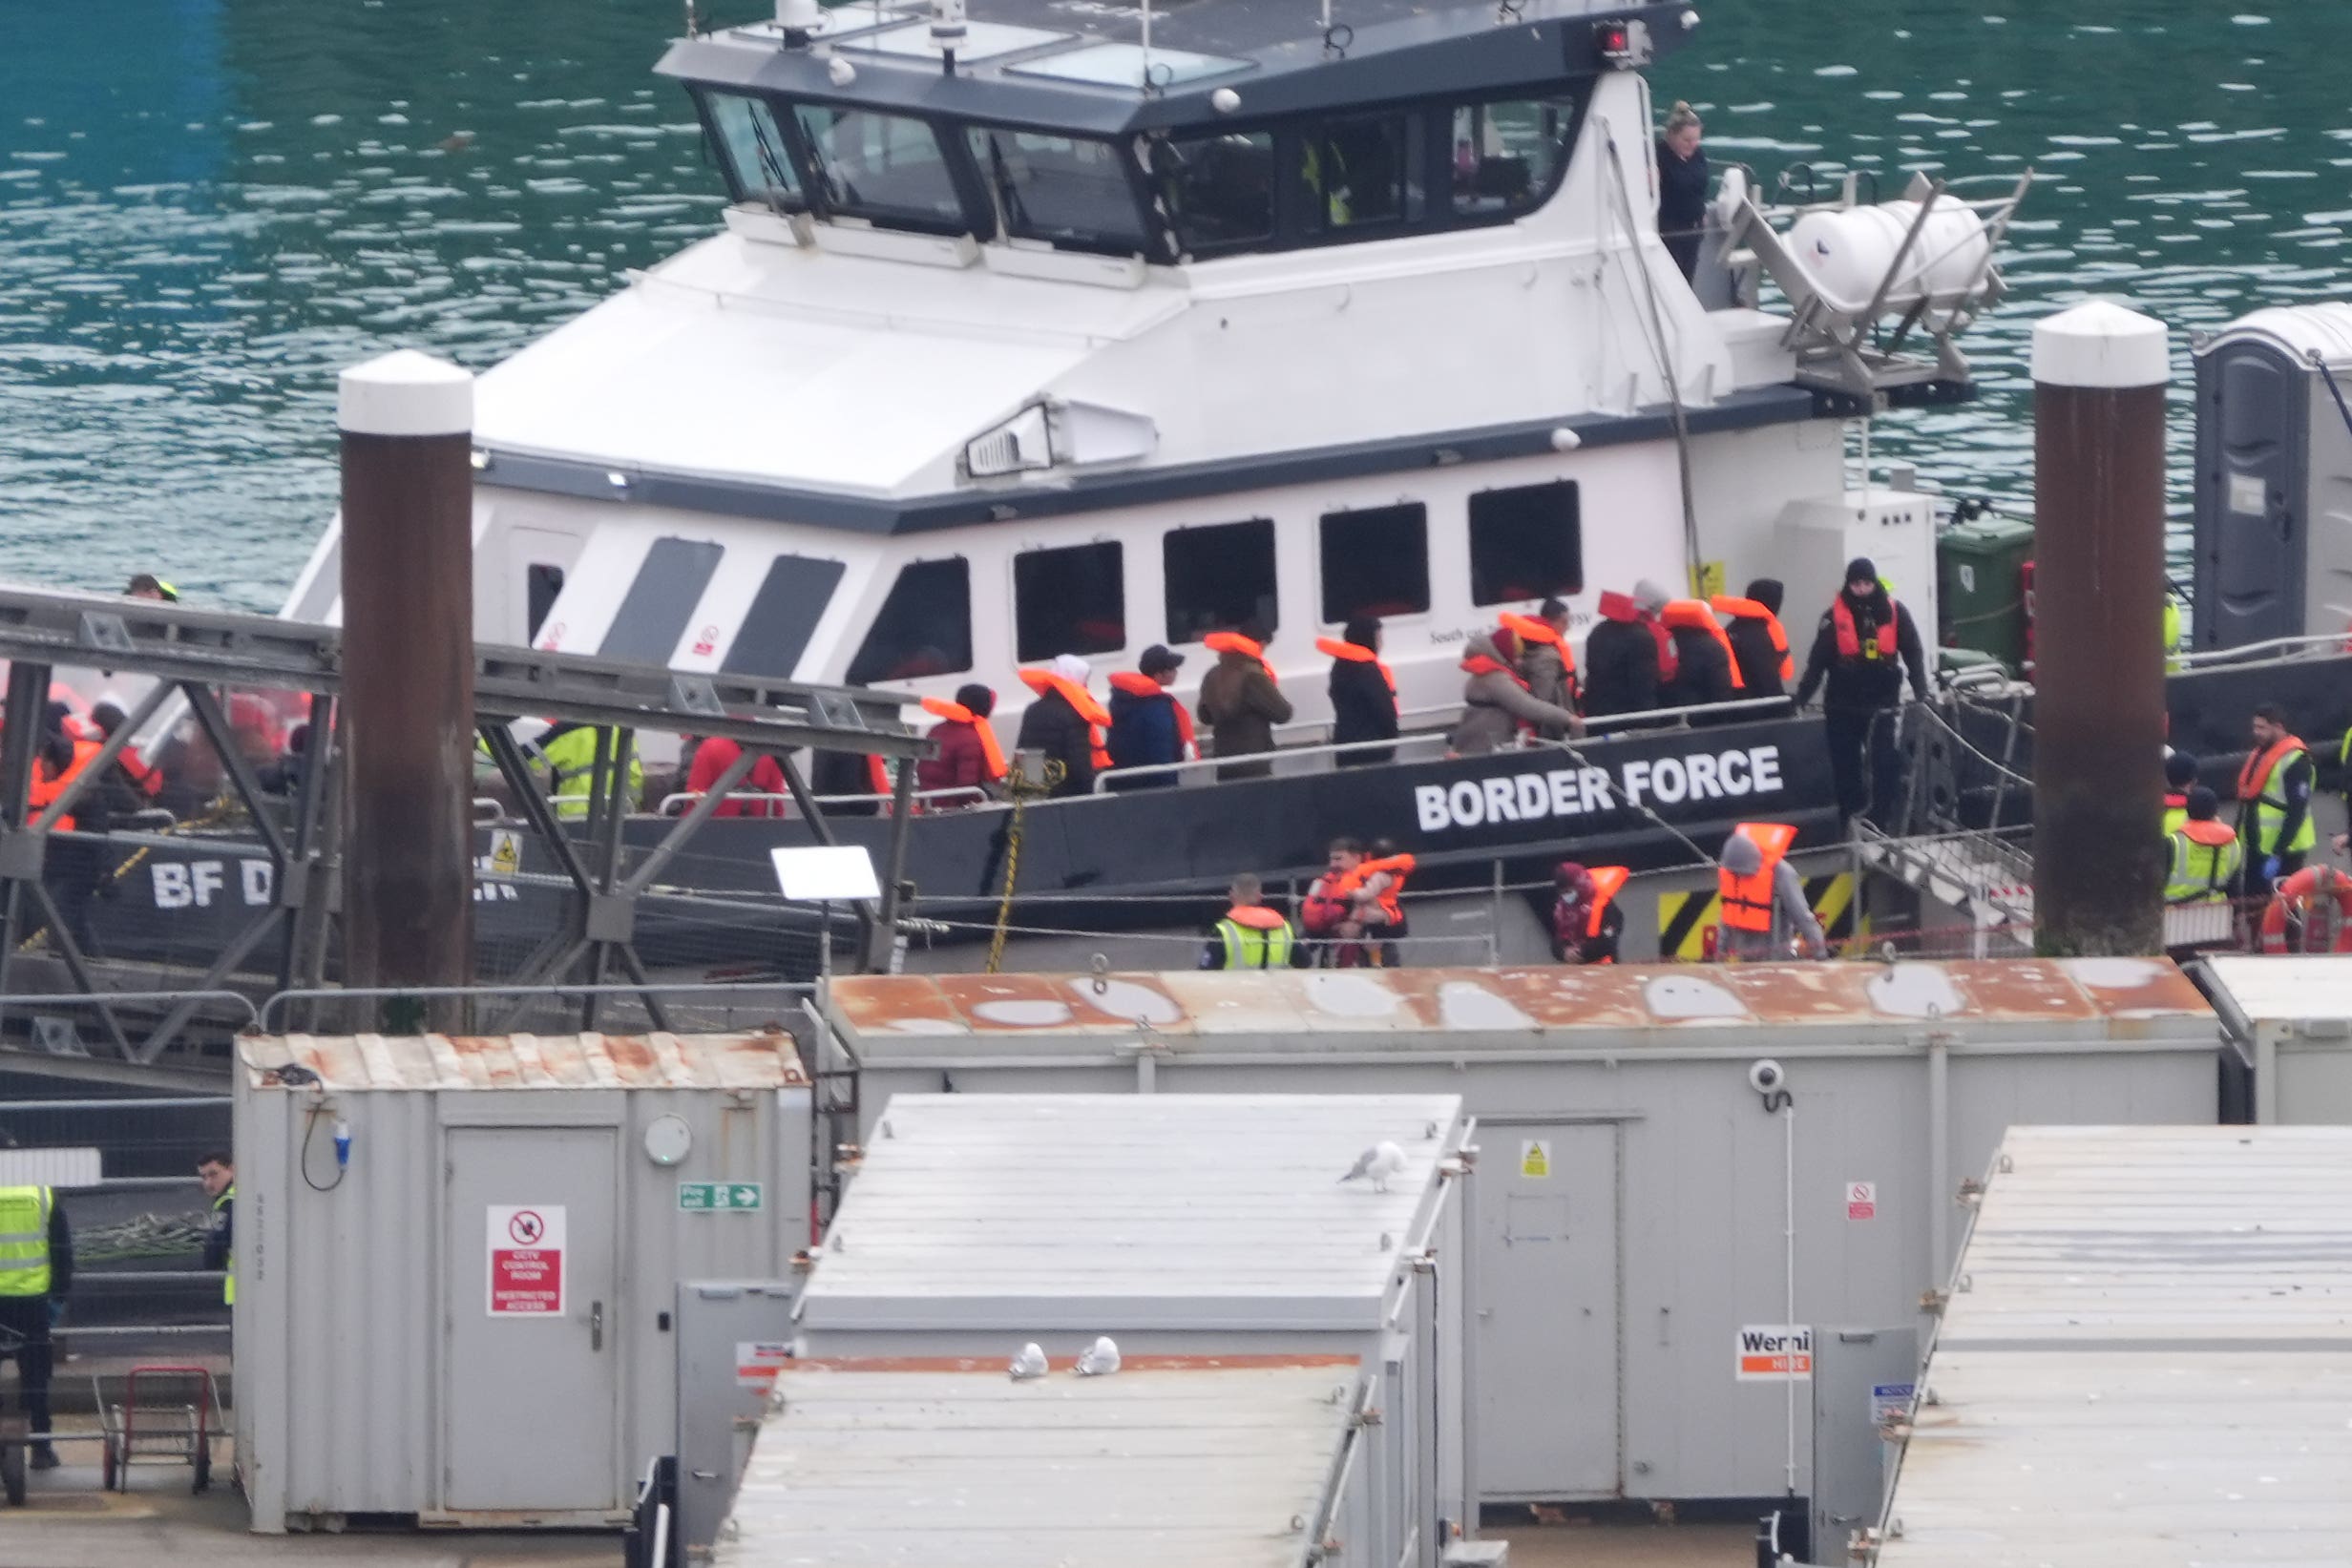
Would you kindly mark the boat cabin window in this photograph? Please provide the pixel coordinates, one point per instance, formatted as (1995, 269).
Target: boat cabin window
(885, 168)
(542, 586)
(1071, 191)
(1218, 577)
(925, 626)
(1525, 543)
(653, 614)
(1217, 191)
(1072, 600)
(759, 165)
(1362, 171)
(784, 613)
(1507, 156)
(1375, 562)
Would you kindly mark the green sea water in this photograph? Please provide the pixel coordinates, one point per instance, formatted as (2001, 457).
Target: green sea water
(209, 206)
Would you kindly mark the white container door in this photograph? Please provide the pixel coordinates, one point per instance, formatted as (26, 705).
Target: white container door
(1547, 1421)
(531, 1347)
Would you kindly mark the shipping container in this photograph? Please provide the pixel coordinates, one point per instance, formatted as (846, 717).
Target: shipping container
(2288, 1022)
(1630, 1242)
(1183, 1226)
(1171, 1462)
(2144, 1359)
(456, 1259)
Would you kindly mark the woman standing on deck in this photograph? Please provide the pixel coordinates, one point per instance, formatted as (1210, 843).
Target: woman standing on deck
(1682, 188)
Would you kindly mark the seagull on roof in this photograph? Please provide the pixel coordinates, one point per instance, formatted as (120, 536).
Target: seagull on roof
(1029, 1364)
(1099, 1359)
(1377, 1163)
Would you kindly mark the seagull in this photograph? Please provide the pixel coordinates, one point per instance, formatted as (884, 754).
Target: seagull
(1379, 1163)
(1029, 1364)
(1099, 1359)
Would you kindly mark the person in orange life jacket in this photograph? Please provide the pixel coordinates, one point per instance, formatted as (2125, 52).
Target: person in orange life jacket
(1587, 921)
(1148, 726)
(968, 756)
(1250, 935)
(713, 757)
(1329, 914)
(1621, 660)
(1240, 702)
(2274, 802)
(1363, 693)
(134, 783)
(1704, 670)
(2179, 778)
(1763, 896)
(1759, 642)
(1496, 701)
(1379, 892)
(1865, 645)
(73, 866)
(1545, 662)
(1060, 724)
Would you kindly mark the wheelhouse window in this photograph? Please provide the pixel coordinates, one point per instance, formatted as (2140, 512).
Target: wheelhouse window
(653, 612)
(924, 627)
(1218, 577)
(776, 629)
(1525, 543)
(1375, 562)
(542, 587)
(1070, 191)
(1217, 192)
(759, 166)
(1361, 172)
(1507, 156)
(885, 168)
(1072, 600)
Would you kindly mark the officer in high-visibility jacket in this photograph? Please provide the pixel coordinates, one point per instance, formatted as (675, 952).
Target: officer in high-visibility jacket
(1250, 935)
(36, 1270)
(2203, 853)
(2274, 802)
(569, 752)
(218, 1174)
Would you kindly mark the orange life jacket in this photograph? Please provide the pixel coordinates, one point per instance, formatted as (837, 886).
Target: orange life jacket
(1689, 615)
(1042, 681)
(1606, 879)
(1397, 869)
(1356, 653)
(2213, 836)
(1528, 629)
(956, 713)
(1233, 642)
(1256, 916)
(46, 789)
(1739, 609)
(1850, 640)
(1487, 664)
(1136, 684)
(1748, 900)
(2254, 777)
(144, 774)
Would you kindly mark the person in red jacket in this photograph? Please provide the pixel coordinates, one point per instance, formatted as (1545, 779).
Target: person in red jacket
(714, 757)
(969, 757)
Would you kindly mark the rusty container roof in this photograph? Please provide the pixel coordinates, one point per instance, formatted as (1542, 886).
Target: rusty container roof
(350, 1062)
(1561, 1008)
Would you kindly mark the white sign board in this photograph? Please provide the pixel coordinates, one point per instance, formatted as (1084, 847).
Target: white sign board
(526, 1260)
(820, 873)
(1773, 1353)
(1862, 1200)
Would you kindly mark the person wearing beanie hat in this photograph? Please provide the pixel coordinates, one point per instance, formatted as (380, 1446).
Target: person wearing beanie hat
(1866, 645)
(2203, 853)
(1621, 660)
(1060, 726)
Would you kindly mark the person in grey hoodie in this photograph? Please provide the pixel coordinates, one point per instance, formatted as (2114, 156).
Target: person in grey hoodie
(1495, 698)
(1792, 916)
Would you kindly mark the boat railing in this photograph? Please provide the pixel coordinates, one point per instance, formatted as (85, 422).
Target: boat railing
(2278, 648)
(678, 803)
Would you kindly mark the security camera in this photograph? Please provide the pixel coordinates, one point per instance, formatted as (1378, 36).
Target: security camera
(1765, 1075)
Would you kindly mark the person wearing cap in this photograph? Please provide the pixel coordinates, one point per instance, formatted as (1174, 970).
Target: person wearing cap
(1363, 693)
(2203, 853)
(1865, 645)
(1149, 729)
(1240, 702)
(1621, 661)
(1060, 726)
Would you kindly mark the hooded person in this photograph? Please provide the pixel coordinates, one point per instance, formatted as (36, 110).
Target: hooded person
(1240, 702)
(1764, 907)
(1060, 724)
(1586, 919)
(1651, 601)
(1759, 642)
(1621, 660)
(1866, 645)
(1496, 701)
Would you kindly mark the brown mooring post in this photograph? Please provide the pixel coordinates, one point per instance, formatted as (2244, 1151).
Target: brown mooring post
(2099, 373)
(407, 716)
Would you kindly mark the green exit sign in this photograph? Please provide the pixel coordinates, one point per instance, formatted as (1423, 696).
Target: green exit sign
(711, 1197)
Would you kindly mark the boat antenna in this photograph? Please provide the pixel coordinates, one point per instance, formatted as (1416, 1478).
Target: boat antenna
(689, 18)
(947, 31)
(1146, 46)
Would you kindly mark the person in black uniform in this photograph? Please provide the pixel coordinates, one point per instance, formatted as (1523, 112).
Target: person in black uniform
(1865, 645)
(1682, 188)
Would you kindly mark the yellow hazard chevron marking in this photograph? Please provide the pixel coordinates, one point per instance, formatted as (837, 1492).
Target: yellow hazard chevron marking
(1684, 918)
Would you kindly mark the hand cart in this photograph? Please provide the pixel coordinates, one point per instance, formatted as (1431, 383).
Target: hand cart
(156, 1434)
